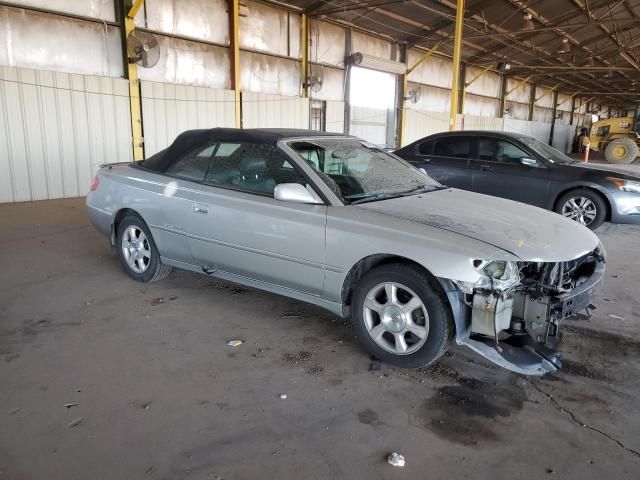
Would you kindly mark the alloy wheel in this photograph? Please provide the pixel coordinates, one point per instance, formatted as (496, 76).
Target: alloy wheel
(580, 209)
(136, 249)
(395, 318)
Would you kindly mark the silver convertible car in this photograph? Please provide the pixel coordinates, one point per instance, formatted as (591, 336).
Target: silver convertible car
(335, 221)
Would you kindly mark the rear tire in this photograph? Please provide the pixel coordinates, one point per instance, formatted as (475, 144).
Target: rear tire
(583, 206)
(138, 252)
(621, 151)
(401, 316)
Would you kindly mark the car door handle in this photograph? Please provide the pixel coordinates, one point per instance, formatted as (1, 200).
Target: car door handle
(485, 168)
(200, 209)
(425, 160)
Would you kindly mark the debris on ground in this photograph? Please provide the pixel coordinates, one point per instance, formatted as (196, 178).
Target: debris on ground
(395, 459)
(69, 405)
(235, 343)
(14, 411)
(75, 422)
(375, 366)
(617, 317)
(283, 396)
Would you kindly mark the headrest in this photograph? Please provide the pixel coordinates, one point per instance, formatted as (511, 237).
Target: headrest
(250, 165)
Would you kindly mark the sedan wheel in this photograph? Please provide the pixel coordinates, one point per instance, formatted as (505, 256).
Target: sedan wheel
(396, 319)
(401, 315)
(138, 252)
(580, 209)
(136, 249)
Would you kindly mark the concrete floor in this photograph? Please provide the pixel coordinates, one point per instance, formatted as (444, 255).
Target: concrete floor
(103, 377)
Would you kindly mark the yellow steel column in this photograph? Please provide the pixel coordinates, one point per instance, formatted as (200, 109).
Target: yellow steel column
(234, 50)
(405, 84)
(457, 57)
(134, 87)
(304, 46)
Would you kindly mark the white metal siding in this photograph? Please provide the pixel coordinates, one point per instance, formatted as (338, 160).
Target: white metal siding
(262, 110)
(56, 129)
(537, 130)
(334, 116)
(369, 123)
(562, 137)
(422, 123)
(168, 110)
(473, 122)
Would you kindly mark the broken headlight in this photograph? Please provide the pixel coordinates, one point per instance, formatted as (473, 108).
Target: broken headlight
(497, 274)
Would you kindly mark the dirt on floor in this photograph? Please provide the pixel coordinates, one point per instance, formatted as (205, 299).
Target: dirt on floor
(103, 377)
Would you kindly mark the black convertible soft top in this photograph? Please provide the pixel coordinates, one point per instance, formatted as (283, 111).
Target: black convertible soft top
(194, 138)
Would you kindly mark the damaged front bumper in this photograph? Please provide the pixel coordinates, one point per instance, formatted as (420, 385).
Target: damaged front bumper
(518, 330)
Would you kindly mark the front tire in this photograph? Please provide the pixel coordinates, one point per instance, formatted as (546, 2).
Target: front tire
(138, 252)
(583, 206)
(401, 317)
(621, 151)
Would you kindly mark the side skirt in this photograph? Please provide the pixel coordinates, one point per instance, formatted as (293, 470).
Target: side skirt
(333, 307)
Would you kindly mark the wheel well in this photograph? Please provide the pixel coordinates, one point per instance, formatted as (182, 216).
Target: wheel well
(117, 219)
(369, 263)
(593, 190)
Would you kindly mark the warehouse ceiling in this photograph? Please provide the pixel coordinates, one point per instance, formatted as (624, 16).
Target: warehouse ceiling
(587, 46)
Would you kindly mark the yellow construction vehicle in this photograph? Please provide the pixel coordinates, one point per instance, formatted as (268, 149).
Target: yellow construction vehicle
(618, 138)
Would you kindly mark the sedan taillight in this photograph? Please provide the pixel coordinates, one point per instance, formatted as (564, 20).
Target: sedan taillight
(95, 183)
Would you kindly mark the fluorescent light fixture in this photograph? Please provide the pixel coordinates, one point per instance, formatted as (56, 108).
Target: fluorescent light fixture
(376, 63)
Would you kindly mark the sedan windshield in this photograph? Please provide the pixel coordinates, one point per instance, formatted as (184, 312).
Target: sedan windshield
(546, 151)
(357, 171)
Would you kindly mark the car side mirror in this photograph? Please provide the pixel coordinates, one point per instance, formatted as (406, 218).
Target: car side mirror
(294, 192)
(529, 162)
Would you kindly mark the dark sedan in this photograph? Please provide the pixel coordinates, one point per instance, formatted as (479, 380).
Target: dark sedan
(522, 168)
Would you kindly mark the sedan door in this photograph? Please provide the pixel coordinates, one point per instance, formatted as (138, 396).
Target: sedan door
(236, 225)
(446, 159)
(498, 170)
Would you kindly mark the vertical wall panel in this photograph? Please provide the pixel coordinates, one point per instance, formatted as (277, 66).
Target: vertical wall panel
(261, 110)
(168, 110)
(474, 122)
(369, 123)
(56, 129)
(334, 116)
(537, 130)
(422, 123)
(562, 137)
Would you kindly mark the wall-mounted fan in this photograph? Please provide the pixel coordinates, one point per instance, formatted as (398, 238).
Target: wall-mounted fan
(315, 79)
(143, 48)
(414, 94)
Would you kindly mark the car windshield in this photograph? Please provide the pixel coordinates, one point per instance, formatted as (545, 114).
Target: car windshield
(546, 151)
(358, 171)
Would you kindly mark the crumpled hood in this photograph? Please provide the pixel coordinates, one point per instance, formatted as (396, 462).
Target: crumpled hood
(531, 233)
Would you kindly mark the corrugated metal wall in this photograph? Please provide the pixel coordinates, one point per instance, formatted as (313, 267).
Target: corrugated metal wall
(334, 116)
(562, 137)
(168, 110)
(261, 110)
(537, 130)
(421, 123)
(370, 124)
(56, 129)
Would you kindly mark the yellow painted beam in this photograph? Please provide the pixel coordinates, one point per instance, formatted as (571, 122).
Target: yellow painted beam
(134, 88)
(304, 44)
(405, 85)
(568, 98)
(426, 55)
(547, 91)
(518, 85)
(234, 47)
(480, 75)
(457, 57)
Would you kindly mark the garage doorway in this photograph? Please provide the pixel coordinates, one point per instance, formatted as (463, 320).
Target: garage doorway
(372, 98)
